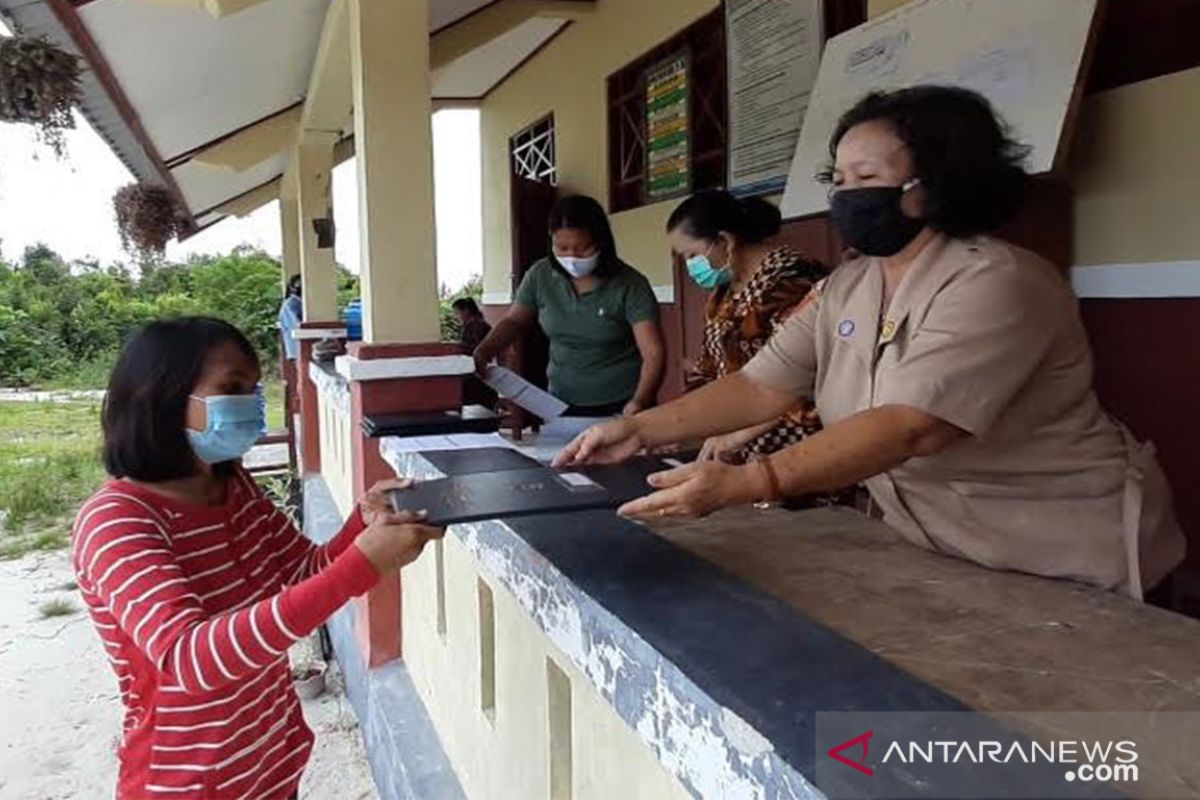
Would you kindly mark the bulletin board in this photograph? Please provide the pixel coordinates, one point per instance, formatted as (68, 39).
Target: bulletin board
(1024, 55)
(668, 129)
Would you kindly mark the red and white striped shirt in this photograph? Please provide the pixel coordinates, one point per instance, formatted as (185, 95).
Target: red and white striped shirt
(197, 607)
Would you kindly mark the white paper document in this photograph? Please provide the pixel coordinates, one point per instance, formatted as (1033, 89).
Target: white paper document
(451, 441)
(512, 386)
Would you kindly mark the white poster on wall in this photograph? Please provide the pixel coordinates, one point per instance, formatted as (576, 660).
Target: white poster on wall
(774, 53)
(1023, 55)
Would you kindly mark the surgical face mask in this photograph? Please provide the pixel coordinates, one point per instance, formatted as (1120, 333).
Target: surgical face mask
(232, 425)
(871, 221)
(579, 267)
(705, 274)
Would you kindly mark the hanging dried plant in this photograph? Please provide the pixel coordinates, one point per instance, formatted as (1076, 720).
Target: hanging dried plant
(39, 85)
(147, 218)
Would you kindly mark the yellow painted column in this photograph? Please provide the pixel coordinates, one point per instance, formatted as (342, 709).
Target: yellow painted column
(314, 186)
(389, 56)
(289, 228)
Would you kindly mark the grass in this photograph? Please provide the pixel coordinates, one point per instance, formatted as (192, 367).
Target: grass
(56, 608)
(91, 374)
(273, 388)
(48, 465)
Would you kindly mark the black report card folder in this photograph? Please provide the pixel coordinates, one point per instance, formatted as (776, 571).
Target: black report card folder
(524, 492)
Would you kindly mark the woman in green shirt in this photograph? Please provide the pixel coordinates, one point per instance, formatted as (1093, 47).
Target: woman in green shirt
(599, 313)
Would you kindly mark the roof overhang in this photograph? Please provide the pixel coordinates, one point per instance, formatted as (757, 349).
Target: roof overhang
(206, 97)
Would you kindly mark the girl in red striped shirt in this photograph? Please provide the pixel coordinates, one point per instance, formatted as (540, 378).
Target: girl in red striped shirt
(197, 584)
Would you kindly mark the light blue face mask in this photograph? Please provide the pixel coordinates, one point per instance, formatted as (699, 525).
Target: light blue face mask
(233, 423)
(705, 274)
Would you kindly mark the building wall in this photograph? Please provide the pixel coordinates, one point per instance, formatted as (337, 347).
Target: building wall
(543, 710)
(568, 78)
(1135, 167)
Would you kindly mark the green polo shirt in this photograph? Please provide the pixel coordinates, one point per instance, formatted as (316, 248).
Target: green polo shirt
(594, 358)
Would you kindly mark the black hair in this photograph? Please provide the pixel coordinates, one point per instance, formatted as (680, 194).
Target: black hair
(145, 409)
(971, 170)
(706, 214)
(293, 286)
(584, 213)
(469, 305)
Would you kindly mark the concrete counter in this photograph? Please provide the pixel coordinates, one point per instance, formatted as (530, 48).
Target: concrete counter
(582, 655)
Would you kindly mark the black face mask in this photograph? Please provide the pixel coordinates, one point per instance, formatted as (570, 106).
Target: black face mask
(870, 219)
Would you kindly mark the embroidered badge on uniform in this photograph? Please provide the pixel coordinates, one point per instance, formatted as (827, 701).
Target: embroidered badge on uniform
(888, 332)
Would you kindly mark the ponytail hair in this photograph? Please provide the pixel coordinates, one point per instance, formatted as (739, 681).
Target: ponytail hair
(706, 214)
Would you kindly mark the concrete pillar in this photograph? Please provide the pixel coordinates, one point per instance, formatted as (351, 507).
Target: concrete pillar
(401, 366)
(289, 229)
(314, 186)
(289, 225)
(389, 56)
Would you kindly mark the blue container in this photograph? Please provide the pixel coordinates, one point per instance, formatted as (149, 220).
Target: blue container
(353, 317)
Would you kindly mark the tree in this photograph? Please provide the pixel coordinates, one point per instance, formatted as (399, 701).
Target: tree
(56, 318)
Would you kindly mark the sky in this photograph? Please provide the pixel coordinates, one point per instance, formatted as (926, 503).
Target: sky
(67, 204)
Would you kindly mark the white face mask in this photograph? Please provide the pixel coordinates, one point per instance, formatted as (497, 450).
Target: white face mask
(579, 267)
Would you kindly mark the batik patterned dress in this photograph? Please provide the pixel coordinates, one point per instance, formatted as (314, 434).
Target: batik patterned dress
(739, 323)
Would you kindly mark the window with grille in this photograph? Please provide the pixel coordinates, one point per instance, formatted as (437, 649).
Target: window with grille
(703, 42)
(533, 152)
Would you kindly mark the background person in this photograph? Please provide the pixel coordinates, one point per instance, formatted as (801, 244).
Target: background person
(755, 284)
(600, 315)
(473, 329)
(291, 315)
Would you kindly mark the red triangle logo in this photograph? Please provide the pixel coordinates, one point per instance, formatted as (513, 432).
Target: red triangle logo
(863, 741)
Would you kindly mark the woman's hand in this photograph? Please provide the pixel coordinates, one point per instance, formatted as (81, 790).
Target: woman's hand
(717, 447)
(634, 407)
(608, 443)
(696, 490)
(376, 502)
(393, 540)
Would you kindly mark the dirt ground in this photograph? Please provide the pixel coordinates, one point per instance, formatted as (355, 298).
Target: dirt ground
(60, 712)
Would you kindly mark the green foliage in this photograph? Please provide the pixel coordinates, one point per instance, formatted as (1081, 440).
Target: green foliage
(348, 287)
(242, 288)
(62, 324)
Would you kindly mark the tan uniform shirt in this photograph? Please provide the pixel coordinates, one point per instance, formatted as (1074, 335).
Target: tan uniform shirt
(986, 336)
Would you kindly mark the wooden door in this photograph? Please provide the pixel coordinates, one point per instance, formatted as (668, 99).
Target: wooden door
(532, 202)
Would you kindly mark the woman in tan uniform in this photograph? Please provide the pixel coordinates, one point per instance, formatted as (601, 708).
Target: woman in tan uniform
(951, 370)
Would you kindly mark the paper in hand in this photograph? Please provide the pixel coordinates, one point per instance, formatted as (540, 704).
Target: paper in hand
(512, 386)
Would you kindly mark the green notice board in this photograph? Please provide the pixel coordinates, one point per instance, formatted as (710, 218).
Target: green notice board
(668, 141)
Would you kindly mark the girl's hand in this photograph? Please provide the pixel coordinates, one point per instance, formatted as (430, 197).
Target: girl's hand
(376, 502)
(696, 490)
(608, 443)
(394, 540)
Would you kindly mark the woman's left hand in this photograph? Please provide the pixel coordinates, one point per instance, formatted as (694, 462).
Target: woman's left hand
(376, 502)
(633, 407)
(695, 490)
